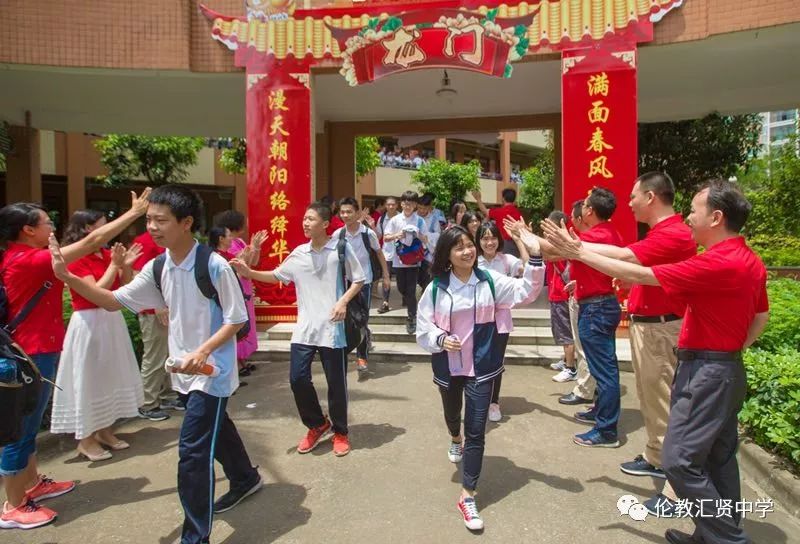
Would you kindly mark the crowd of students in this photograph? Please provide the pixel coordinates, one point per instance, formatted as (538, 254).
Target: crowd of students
(691, 315)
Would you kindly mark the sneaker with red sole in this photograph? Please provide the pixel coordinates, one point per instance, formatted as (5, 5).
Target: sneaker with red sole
(341, 445)
(27, 515)
(47, 488)
(312, 438)
(362, 365)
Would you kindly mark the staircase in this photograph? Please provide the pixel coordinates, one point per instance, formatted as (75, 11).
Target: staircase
(531, 342)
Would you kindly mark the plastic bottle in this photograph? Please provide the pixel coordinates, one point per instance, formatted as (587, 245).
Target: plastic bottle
(174, 364)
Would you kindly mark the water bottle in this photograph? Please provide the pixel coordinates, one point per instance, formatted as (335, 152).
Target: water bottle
(174, 364)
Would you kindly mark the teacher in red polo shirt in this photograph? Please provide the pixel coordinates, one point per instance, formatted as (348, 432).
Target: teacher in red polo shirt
(507, 210)
(656, 320)
(25, 269)
(724, 290)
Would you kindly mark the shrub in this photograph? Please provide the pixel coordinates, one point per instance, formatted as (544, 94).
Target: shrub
(771, 412)
(131, 321)
(776, 249)
(783, 328)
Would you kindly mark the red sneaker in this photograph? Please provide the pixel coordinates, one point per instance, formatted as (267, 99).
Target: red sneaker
(312, 438)
(27, 515)
(47, 488)
(341, 445)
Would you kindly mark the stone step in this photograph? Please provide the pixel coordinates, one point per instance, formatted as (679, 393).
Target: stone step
(396, 333)
(407, 352)
(523, 317)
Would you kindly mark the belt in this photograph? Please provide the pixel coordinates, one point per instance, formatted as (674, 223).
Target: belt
(598, 298)
(666, 318)
(699, 354)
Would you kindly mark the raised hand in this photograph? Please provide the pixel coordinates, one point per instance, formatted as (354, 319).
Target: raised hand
(118, 255)
(258, 239)
(139, 203)
(57, 259)
(241, 267)
(565, 242)
(476, 195)
(133, 253)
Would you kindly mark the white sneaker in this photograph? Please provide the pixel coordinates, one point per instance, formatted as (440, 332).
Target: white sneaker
(494, 412)
(566, 375)
(469, 513)
(456, 452)
(561, 365)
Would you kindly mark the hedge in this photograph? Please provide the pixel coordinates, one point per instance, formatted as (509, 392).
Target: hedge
(771, 412)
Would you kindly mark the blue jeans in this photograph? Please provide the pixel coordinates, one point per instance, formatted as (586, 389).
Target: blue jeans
(207, 433)
(14, 458)
(477, 397)
(597, 326)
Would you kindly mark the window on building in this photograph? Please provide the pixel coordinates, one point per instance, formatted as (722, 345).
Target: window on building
(778, 134)
(785, 115)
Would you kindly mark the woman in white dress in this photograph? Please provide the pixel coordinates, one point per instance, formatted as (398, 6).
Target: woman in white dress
(98, 378)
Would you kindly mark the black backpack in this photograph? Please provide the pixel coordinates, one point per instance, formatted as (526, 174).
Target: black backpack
(20, 380)
(355, 322)
(203, 279)
(374, 262)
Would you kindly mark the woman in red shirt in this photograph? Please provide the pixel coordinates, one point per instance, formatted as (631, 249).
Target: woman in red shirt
(25, 267)
(98, 377)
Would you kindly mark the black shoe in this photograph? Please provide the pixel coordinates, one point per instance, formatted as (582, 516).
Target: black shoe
(661, 507)
(640, 467)
(674, 536)
(244, 372)
(153, 415)
(384, 308)
(589, 416)
(235, 496)
(411, 326)
(573, 399)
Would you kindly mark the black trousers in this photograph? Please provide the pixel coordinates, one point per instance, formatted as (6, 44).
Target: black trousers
(207, 433)
(407, 285)
(334, 363)
(699, 456)
(502, 340)
(362, 351)
(424, 277)
(477, 410)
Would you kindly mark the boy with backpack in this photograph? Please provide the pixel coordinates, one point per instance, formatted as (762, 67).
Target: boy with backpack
(364, 243)
(318, 269)
(406, 231)
(206, 311)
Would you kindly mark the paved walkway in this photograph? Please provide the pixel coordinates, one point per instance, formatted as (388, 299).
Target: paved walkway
(396, 486)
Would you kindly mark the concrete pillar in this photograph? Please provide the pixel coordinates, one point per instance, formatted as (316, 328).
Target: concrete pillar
(23, 166)
(440, 146)
(240, 193)
(505, 157)
(76, 172)
(558, 184)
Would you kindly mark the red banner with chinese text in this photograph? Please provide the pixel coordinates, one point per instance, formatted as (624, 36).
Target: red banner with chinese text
(413, 49)
(278, 177)
(599, 129)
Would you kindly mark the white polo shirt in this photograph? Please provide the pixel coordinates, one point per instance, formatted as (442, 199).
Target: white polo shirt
(432, 230)
(319, 286)
(412, 225)
(388, 247)
(357, 243)
(193, 318)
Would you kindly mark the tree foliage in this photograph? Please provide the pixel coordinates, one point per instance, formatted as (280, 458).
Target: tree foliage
(233, 160)
(447, 181)
(367, 159)
(159, 159)
(536, 192)
(694, 150)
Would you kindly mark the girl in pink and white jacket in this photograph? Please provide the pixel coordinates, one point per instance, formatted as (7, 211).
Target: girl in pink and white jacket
(491, 257)
(456, 323)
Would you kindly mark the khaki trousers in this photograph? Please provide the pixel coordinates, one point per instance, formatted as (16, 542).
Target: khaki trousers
(586, 384)
(654, 364)
(155, 380)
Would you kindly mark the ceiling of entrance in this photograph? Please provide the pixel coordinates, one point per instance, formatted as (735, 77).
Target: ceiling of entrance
(733, 73)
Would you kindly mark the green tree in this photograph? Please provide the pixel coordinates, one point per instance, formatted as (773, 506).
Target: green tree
(447, 181)
(694, 150)
(158, 159)
(367, 159)
(536, 190)
(233, 160)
